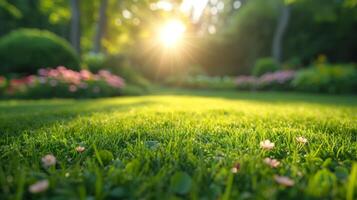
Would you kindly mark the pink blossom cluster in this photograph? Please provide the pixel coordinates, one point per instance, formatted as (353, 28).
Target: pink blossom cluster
(78, 79)
(61, 75)
(279, 77)
(112, 80)
(246, 80)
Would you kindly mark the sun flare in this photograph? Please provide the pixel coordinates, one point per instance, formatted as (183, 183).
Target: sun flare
(172, 33)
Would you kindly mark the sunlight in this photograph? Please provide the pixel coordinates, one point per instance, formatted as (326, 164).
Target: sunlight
(194, 7)
(171, 33)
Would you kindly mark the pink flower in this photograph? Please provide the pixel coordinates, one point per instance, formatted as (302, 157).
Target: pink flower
(283, 180)
(85, 74)
(301, 140)
(39, 186)
(274, 163)
(104, 73)
(48, 160)
(42, 72)
(267, 145)
(72, 88)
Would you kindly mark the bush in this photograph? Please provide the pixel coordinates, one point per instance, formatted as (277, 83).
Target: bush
(293, 63)
(327, 79)
(25, 51)
(116, 64)
(63, 83)
(94, 62)
(264, 65)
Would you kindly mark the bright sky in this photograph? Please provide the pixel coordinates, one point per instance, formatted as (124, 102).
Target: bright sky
(194, 6)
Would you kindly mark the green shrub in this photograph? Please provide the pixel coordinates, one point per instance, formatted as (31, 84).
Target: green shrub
(264, 65)
(119, 64)
(94, 62)
(327, 79)
(293, 63)
(25, 51)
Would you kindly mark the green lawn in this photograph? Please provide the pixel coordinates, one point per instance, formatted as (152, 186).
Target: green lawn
(181, 144)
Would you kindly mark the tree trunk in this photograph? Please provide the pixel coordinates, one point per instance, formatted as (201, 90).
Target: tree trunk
(283, 22)
(75, 26)
(101, 26)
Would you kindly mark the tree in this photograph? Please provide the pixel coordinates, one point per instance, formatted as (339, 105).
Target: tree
(280, 30)
(101, 26)
(75, 26)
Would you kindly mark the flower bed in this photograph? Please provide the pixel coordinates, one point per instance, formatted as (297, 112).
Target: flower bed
(279, 80)
(62, 82)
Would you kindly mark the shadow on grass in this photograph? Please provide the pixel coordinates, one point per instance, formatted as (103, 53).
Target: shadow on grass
(17, 117)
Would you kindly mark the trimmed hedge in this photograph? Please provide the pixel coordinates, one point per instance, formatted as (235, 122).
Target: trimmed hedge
(24, 51)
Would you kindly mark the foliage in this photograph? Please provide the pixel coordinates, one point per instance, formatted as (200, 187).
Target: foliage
(42, 14)
(264, 65)
(328, 28)
(293, 63)
(321, 183)
(246, 37)
(180, 145)
(62, 82)
(201, 82)
(25, 51)
(94, 62)
(2, 84)
(327, 79)
(116, 64)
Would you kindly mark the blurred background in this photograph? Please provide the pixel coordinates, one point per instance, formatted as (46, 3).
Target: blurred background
(118, 47)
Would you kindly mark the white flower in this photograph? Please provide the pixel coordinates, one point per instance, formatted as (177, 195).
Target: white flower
(301, 140)
(283, 180)
(235, 168)
(80, 149)
(274, 163)
(39, 186)
(267, 145)
(48, 160)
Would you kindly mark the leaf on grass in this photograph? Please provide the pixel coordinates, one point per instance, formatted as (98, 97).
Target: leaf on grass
(117, 192)
(341, 173)
(181, 183)
(321, 183)
(152, 144)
